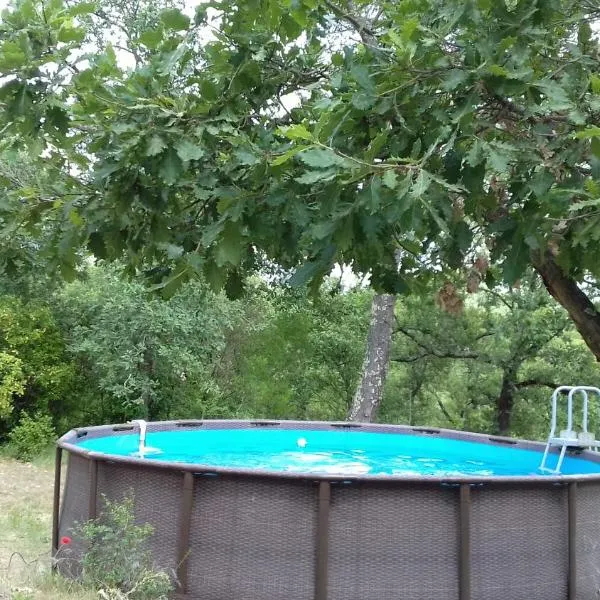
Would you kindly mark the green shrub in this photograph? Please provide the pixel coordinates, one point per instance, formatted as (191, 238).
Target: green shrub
(36, 374)
(117, 562)
(31, 436)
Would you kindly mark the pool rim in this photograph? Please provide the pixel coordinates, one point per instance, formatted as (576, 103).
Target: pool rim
(68, 442)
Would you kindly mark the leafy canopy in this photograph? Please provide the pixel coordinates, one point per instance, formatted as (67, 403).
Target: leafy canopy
(427, 130)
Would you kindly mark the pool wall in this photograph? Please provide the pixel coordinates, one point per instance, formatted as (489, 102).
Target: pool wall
(251, 535)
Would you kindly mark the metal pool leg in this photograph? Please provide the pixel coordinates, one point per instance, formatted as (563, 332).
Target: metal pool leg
(185, 522)
(572, 534)
(465, 543)
(93, 489)
(56, 503)
(322, 550)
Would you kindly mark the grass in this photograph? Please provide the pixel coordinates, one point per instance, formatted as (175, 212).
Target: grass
(25, 531)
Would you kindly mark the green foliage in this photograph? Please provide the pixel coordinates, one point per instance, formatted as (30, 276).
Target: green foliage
(140, 356)
(440, 128)
(36, 373)
(449, 370)
(31, 436)
(117, 561)
(12, 381)
(301, 358)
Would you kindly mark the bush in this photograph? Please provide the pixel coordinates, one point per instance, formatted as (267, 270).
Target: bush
(36, 375)
(31, 436)
(117, 562)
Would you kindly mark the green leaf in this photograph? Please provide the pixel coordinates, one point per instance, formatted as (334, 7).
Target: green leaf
(498, 71)
(498, 161)
(323, 230)
(68, 33)
(173, 18)
(11, 56)
(246, 157)
(454, 79)
(156, 145)
(421, 184)
(591, 203)
(187, 150)
(151, 38)
(557, 98)
(408, 29)
(296, 132)
(541, 182)
(170, 167)
(443, 226)
(590, 132)
(584, 35)
(376, 144)
(516, 261)
(283, 158)
(595, 83)
(215, 276)
(75, 217)
(362, 101)
(305, 273)
(311, 177)
(363, 78)
(596, 147)
(321, 158)
(337, 59)
(229, 250)
(82, 8)
(300, 17)
(390, 179)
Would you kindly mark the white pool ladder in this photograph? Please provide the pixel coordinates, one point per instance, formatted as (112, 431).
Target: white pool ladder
(569, 438)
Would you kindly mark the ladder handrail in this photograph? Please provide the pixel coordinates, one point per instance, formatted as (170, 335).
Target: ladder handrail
(584, 389)
(554, 406)
(572, 389)
(565, 441)
(576, 390)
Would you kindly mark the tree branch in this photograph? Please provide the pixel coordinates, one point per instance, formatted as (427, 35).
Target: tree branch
(532, 382)
(445, 412)
(364, 30)
(436, 353)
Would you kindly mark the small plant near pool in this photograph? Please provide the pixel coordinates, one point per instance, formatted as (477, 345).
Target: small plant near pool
(117, 561)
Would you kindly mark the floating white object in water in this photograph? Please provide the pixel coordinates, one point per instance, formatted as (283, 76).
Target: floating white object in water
(301, 442)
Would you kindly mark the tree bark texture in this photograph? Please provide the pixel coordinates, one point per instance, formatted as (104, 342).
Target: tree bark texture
(567, 293)
(377, 357)
(506, 400)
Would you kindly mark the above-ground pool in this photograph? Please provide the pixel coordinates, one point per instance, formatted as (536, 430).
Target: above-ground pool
(267, 510)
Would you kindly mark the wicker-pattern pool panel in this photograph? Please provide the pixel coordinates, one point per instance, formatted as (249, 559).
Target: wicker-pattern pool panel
(383, 536)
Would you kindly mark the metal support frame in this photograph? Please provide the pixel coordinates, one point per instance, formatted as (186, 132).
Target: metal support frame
(465, 543)
(185, 523)
(56, 503)
(572, 539)
(93, 497)
(322, 546)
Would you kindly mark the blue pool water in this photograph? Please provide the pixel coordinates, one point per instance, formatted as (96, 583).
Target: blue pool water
(335, 452)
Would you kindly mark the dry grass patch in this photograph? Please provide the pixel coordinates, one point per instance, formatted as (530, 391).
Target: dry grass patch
(25, 532)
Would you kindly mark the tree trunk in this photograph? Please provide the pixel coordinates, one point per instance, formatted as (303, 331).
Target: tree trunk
(505, 401)
(377, 357)
(566, 292)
